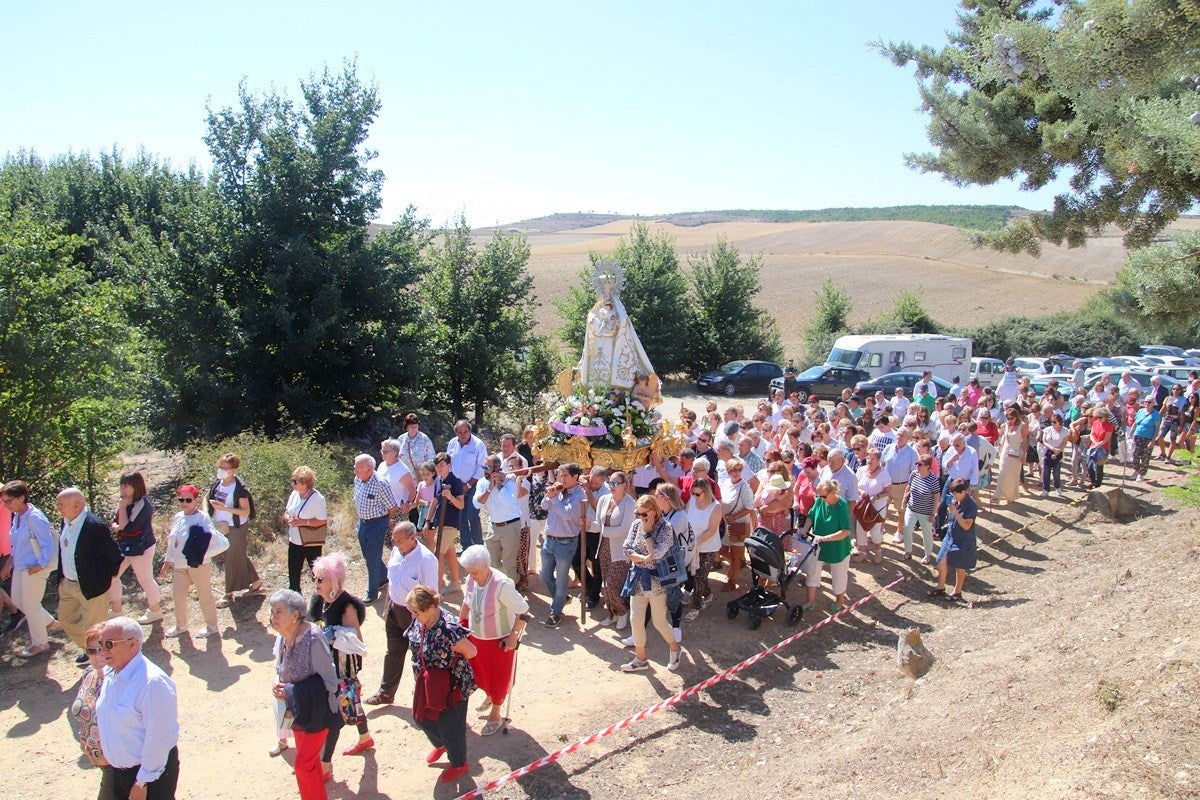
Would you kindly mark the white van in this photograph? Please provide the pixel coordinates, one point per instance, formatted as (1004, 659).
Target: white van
(987, 371)
(948, 357)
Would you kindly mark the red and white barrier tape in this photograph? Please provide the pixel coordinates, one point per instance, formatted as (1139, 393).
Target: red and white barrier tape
(550, 758)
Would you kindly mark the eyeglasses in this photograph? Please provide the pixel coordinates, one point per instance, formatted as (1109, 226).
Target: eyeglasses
(487, 469)
(296, 480)
(186, 500)
(616, 483)
(109, 644)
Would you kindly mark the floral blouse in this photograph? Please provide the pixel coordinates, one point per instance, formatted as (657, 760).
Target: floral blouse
(83, 711)
(435, 648)
(660, 542)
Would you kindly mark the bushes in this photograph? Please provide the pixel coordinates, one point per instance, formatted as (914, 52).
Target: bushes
(267, 466)
(1079, 334)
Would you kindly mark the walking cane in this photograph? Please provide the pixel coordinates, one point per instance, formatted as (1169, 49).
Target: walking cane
(512, 681)
(583, 571)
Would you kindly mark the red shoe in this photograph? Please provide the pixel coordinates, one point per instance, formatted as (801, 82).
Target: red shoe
(453, 773)
(361, 747)
(435, 754)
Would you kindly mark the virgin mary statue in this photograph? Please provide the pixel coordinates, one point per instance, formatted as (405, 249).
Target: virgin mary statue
(613, 355)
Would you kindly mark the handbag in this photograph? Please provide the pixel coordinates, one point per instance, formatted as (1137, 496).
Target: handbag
(315, 536)
(866, 514)
(671, 569)
(349, 698)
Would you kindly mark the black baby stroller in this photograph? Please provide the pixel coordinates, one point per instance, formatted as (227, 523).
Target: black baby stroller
(769, 563)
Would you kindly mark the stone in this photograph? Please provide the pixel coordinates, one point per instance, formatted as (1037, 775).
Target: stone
(912, 656)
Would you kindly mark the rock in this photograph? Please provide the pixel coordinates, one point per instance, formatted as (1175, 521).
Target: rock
(913, 658)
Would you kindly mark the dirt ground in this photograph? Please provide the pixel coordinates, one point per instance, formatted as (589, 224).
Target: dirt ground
(1072, 673)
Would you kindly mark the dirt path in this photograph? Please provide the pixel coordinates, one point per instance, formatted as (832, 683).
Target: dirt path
(1013, 707)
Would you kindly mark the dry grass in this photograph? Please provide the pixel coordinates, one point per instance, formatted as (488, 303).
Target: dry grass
(874, 261)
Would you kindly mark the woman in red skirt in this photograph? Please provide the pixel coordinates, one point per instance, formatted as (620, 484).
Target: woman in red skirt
(495, 613)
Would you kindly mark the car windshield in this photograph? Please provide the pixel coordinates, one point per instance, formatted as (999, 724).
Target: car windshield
(812, 373)
(732, 367)
(844, 358)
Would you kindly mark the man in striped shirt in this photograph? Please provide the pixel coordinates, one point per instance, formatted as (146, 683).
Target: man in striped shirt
(373, 503)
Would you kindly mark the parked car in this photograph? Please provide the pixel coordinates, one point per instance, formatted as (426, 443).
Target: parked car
(1142, 376)
(1065, 387)
(888, 384)
(1092, 363)
(986, 370)
(741, 376)
(1162, 350)
(1060, 362)
(826, 381)
(1129, 362)
(1180, 374)
(1165, 361)
(1030, 366)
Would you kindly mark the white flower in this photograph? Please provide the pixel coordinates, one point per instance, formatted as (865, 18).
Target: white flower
(638, 405)
(585, 421)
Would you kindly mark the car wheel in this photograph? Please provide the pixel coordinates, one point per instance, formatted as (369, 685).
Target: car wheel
(730, 390)
(802, 395)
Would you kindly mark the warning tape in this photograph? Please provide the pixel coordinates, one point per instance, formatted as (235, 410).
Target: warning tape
(550, 758)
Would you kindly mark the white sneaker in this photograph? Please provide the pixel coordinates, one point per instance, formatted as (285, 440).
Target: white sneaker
(623, 623)
(150, 617)
(1043, 494)
(606, 621)
(636, 665)
(678, 632)
(673, 664)
(627, 641)
(1059, 492)
(171, 633)
(897, 538)
(206, 632)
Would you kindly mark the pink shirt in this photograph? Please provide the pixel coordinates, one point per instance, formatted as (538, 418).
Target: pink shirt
(5, 527)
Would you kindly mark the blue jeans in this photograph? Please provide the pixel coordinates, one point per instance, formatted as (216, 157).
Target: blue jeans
(470, 531)
(371, 533)
(557, 554)
(1095, 465)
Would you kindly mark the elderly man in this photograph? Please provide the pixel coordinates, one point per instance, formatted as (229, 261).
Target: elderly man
(410, 566)
(373, 504)
(137, 714)
(1127, 384)
(500, 494)
(566, 506)
(962, 461)
(748, 455)
(899, 459)
(467, 454)
(900, 403)
(88, 560)
(396, 474)
(837, 470)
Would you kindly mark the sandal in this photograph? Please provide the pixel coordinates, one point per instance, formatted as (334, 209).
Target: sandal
(936, 593)
(255, 588)
(278, 749)
(490, 727)
(224, 602)
(954, 598)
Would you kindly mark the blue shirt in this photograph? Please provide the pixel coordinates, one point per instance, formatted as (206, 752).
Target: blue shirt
(1144, 424)
(564, 513)
(466, 460)
(27, 528)
(138, 717)
(900, 461)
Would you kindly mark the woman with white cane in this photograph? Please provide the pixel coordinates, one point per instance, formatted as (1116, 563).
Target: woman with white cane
(495, 613)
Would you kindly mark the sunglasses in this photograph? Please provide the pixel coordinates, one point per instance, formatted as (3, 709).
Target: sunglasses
(697, 494)
(487, 469)
(109, 644)
(92, 651)
(645, 515)
(186, 500)
(296, 480)
(616, 483)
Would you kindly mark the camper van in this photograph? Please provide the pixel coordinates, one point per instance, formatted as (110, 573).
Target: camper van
(948, 357)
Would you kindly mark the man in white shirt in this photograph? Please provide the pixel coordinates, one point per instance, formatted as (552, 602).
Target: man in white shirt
(927, 382)
(411, 565)
(396, 474)
(137, 714)
(900, 403)
(500, 494)
(1127, 384)
(467, 454)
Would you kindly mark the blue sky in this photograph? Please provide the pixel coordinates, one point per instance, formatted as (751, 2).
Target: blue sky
(504, 111)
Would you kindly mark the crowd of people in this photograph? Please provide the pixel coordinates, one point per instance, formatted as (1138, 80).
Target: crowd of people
(637, 549)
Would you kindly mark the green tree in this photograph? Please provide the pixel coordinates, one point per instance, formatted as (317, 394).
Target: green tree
(1160, 284)
(479, 308)
(655, 296)
(727, 325)
(1078, 333)
(1101, 91)
(909, 316)
(830, 320)
(70, 372)
(531, 375)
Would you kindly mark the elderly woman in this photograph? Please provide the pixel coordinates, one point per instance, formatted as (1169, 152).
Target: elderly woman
(959, 545)
(773, 502)
(614, 512)
(332, 607)
(1145, 428)
(649, 539)
(191, 545)
(1101, 447)
(229, 505)
(1014, 438)
(495, 613)
(134, 531)
(83, 709)
(874, 486)
(415, 447)
(922, 495)
(737, 509)
(441, 652)
(307, 685)
(305, 515)
(829, 522)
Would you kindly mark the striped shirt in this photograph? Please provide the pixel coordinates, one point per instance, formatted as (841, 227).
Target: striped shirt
(880, 440)
(922, 492)
(372, 498)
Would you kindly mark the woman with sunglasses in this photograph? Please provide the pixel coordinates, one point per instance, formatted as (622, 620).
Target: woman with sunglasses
(192, 543)
(829, 522)
(922, 495)
(649, 539)
(305, 516)
(615, 513)
(874, 485)
(1014, 439)
(737, 509)
(704, 513)
(83, 709)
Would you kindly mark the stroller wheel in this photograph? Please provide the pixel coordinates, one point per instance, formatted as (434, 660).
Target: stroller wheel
(755, 623)
(794, 614)
(731, 611)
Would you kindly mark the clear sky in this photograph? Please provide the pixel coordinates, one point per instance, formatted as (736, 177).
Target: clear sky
(504, 111)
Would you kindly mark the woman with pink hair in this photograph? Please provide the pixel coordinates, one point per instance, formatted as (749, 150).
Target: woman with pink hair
(333, 607)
